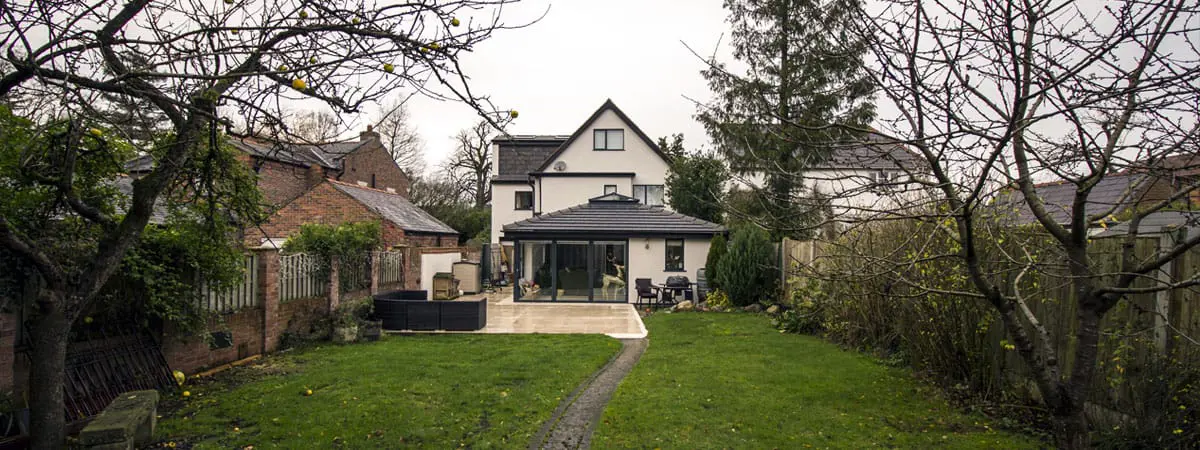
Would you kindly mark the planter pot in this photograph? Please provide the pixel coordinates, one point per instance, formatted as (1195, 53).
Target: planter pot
(371, 330)
(345, 334)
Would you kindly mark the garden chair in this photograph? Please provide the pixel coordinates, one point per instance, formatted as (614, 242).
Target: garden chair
(645, 290)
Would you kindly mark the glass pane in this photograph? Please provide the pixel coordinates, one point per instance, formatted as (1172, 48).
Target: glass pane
(524, 200)
(609, 263)
(598, 139)
(573, 280)
(674, 255)
(654, 195)
(535, 279)
(610, 189)
(639, 192)
(616, 139)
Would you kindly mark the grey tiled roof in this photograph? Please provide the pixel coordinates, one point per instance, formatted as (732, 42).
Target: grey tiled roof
(125, 185)
(395, 208)
(1155, 222)
(874, 152)
(1113, 190)
(329, 155)
(614, 214)
(520, 155)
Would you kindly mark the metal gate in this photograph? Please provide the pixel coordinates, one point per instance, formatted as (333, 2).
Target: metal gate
(109, 361)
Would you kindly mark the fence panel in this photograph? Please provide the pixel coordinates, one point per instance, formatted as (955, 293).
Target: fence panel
(241, 295)
(391, 267)
(300, 277)
(355, 273)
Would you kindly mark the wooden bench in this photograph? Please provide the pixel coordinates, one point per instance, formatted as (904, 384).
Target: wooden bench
(127, 423)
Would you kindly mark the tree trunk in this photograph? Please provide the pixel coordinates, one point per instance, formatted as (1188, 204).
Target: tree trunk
(1071, 428)
(47, 374)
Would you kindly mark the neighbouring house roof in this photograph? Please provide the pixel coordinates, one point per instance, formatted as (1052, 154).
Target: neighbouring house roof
(1157, 222)
(125, 186)
(607, 106)
(612, 215)
(520, 155)
(329, 155)
(1117, 190)
(874, 152)
(394, 208)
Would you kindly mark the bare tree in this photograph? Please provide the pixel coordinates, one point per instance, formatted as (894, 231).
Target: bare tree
(399, 137)
(210, 62)
(994, 96)
(471, 164)
(314, 126)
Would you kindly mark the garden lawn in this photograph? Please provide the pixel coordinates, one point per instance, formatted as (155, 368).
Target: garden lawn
(432, 391)
(712, 380)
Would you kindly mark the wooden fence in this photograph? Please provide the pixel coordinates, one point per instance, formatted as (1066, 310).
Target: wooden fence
(391, 267)
(241, 295)
(300, 276)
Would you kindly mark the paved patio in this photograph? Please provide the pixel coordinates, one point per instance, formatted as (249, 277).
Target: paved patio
(620, 321)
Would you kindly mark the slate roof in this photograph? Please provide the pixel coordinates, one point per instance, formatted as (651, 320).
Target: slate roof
(395, 208)
(1156, 222)
(874, 152)
(328, 155)
(1113, 190)
(613, 214)
(520, 155)
(125, 186)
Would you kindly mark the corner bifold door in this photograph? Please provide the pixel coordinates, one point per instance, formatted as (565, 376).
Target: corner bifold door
(572, 271)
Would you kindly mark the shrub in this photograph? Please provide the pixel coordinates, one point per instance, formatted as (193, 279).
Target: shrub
(716, 250)
(346, 241)
(747, 273)
(718, 300)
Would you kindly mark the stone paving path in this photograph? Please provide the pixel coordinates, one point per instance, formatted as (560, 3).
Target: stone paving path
(573, 422)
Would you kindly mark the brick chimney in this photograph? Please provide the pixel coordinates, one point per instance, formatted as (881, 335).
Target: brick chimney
(316, 174)
(368, 135)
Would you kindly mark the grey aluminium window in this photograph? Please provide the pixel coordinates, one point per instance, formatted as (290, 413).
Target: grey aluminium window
(674, 256)
(523, 201)
(649, 194)
(608, 139)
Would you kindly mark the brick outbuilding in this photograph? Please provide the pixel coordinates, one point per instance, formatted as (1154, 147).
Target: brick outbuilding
(332, 202)
(287, 170)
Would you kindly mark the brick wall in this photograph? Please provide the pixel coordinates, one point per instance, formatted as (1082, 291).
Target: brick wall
(323, 205)
(280, 182)
(373, 160)
(8, 335)
(432, 240)
(192, 353)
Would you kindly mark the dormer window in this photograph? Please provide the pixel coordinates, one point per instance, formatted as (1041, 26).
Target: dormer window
(608, 140)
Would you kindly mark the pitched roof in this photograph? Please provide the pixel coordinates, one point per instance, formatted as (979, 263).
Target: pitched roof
(607, 106)
(1157, 222)
(1116, 190)
(520, 155)
(873, 152)
(394, 208)
(613, 214)
(329, 155)
(124, 184)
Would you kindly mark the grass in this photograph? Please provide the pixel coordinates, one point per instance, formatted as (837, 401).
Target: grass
(712, 380)
(431, 391)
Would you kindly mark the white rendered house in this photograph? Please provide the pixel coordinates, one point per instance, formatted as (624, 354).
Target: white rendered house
(581, 217)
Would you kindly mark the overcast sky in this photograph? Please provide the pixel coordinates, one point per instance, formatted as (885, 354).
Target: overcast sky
(556, 72)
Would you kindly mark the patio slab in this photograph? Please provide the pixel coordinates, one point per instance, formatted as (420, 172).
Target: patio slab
(619, 321)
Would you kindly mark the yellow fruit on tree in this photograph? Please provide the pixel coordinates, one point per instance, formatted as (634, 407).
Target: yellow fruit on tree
(454, 22)
(513, 114)
(312, 60)
(228, 2)
(303, 14)
(389, 68)
(234, 31)
(96, 132)
(283, 68)
(299, 84)
(433, 45)
(187, 394)
(356, 21)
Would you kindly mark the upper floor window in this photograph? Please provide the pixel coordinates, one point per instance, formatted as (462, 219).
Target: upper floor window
(609, 139)
(524, 201)
(610, 189)
(649, 194)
